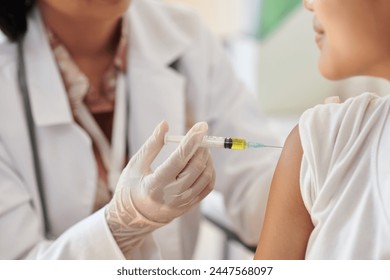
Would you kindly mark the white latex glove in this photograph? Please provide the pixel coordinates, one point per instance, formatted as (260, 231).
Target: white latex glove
(145, 199)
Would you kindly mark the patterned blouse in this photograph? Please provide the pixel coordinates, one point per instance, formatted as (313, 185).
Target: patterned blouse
(100, 101)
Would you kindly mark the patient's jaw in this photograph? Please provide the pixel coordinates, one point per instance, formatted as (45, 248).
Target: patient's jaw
(353, 37)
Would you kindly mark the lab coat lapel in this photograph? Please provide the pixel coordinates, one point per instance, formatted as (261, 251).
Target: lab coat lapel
(48, 97)
(66, 156)
(157, 92)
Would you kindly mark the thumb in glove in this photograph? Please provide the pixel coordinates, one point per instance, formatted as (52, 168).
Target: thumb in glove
(145, 200)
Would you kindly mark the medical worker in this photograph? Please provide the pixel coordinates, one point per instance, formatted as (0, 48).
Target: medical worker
(330, 195)
(83, 86)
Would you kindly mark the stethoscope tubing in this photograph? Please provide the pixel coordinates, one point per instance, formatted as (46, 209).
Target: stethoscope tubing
(22, 81)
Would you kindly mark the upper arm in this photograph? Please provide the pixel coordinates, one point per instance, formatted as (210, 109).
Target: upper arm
(287, 224)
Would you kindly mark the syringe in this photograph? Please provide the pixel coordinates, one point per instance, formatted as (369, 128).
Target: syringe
(221, 142)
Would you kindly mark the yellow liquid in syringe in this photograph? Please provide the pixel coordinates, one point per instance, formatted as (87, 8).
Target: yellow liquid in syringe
(235, 144)
(242, 144)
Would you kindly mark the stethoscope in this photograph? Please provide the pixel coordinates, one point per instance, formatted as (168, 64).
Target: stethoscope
(22, 81)
(113, 156)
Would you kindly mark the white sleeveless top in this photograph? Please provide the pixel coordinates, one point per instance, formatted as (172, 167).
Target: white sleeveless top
(345, 178)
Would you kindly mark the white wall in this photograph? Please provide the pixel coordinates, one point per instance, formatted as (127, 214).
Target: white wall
(288, 78)
(282, 70)
(222, 16)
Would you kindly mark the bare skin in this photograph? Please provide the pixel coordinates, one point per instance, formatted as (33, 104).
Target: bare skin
(89, 30)
(354, 39)
(287, 225)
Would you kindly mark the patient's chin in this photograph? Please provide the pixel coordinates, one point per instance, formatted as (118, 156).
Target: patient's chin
(333, 73)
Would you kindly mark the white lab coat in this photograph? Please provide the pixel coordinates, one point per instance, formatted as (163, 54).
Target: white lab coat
(159, 36)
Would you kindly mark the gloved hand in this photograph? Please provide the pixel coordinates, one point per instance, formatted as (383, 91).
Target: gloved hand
(145, 199)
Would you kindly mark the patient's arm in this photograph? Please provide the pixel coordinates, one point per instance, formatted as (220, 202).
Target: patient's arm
(287, 224)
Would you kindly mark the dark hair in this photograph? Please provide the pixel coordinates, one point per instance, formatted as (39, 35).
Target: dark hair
(13, 17)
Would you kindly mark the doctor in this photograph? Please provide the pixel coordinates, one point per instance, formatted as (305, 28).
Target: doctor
(100, 76)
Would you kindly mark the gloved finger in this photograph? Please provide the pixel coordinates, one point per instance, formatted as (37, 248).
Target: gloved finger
(194, 168)
(178, 160)
(332, 99)
(202, 185)
(176, 190)
(174, 186)
(144, 157)
(197, 199)
(201, 196)
(182, 195)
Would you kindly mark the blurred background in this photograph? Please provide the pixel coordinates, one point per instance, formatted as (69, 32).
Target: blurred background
(272, 48)
(271, 43)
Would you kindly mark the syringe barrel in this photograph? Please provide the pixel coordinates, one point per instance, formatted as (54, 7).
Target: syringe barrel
(221, 142)
(213, 142)
(208, 141)
(235, 143)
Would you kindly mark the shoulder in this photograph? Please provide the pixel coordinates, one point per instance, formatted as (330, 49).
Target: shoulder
(292, 149)
(336, 123)
(362, 102)
(334, 136)
(287, 224)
